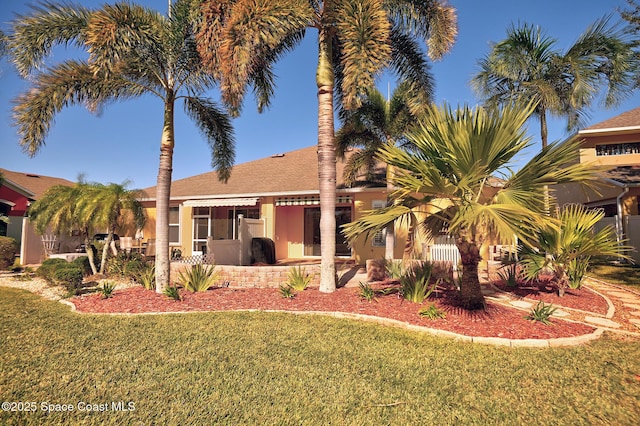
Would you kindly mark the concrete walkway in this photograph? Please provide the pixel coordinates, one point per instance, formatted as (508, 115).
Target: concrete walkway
(623, 315)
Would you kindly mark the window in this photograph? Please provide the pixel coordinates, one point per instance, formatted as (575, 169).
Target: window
(174, 225)
(618, 149)
(379, 239)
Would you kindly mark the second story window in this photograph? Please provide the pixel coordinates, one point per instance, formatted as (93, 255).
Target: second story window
(618, 149)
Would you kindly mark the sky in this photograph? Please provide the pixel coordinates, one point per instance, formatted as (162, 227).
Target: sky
(122, 143)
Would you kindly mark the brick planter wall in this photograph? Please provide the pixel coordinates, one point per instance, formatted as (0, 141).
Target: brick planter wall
(253, 276)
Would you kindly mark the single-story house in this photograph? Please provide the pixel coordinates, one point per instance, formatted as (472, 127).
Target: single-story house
(280, 195)
(614, 145)
(17, 191)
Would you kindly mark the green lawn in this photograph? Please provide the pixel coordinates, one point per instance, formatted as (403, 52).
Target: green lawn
(265, 368)
(617, 274)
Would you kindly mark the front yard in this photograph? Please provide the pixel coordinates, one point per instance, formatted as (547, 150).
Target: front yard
(266, 368)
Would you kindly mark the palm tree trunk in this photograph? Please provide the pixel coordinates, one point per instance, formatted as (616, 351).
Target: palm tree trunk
(390, 238)
(543, 127)
(89, 250)
(163, 192)
(326, 166)
(470, 290)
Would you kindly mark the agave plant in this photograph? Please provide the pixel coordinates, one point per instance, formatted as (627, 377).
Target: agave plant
(198, 278)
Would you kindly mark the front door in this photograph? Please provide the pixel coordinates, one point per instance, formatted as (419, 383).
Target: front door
(312, 231)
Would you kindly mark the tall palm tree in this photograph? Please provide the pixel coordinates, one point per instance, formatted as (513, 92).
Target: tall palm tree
(632, 16)
(57, 210)
(356, 40)
(449, 173)
(564, 84)
(103, 206)
(378, 121)
(133, 51)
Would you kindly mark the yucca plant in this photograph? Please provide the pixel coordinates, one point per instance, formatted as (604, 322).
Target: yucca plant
(172, 292)
(286, 291)
(366, 292)
(298, 278)
(510, 274)
(541, 312)
(432, 312)
(395, 268)
(198, 277)
(147, 277)
(415, 282)
(107, 289)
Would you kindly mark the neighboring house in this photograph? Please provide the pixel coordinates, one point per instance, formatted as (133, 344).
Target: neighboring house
(17, 192)
(613, 144)
(281, 193)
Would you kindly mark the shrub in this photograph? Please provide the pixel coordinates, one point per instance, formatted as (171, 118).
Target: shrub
(395, 268)
(107, 289)
(509, 274)
(125, 265)
(172, 292)
(415, 282)
(8, 250)
(48, 267)
(83, 263)
(541, 312)
(69, 276)
(366, 292)
(432, 312)
(147, 277)
(298, 278)
(198, 278)
(286, 291)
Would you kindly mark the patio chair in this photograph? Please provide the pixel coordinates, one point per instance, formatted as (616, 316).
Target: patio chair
(150, 251)
(126, 244)
(50, 243)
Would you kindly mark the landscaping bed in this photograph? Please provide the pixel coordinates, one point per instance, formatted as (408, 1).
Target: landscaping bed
(495, 321)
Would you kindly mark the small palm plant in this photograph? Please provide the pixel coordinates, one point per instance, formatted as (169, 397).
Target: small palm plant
(198, 278)
(567, 249)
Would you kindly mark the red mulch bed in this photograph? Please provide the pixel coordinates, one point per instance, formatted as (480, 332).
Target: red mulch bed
(495, 321)
(583, 299)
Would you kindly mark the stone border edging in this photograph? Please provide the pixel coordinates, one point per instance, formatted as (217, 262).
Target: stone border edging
(496, 341)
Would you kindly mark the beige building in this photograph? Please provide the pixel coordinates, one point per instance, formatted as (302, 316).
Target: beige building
(614, 146)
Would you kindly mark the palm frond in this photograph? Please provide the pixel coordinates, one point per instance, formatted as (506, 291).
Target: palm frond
(69, 83)
(364, 32)
(216, 127)
(49, 24)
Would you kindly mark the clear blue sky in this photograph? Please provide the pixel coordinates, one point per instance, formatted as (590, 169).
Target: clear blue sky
(123, 142)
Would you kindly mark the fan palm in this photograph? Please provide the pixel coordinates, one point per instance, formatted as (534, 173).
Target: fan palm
(376, 122)
(566, 250)
(565, 84)
(356, 40)
(133, 51)
(449, 175)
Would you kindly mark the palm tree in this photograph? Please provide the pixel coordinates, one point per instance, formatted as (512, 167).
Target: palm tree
(356, 40)
(133, 51)
(632, 16)
(103, 206)
(378, 121)
(564, 84)
(449, 173)
(57, 210)
(566, 250)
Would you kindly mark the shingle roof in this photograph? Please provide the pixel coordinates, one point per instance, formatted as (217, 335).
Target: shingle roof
(624, 175)
(626, 119)
(291, 172)
(37, 184)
